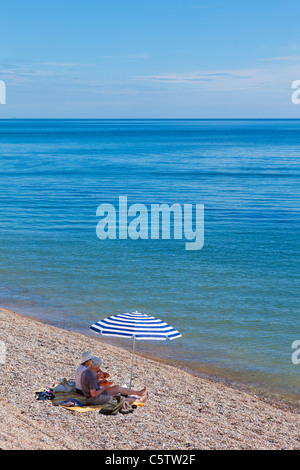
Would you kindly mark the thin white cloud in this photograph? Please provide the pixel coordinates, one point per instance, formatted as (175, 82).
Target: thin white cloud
(193, 77)
(287, 58)
(125, 56)
(22, 74)
(32, 72)
(271, 77)
(115, 92)
(66, 64)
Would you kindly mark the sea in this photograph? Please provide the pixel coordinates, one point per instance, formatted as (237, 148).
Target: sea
(235, 301)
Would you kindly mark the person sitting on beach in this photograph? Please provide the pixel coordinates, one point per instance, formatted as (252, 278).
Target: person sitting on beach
(97, 395)
(84, 364)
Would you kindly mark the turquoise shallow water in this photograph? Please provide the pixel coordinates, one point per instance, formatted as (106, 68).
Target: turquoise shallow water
(235, 301)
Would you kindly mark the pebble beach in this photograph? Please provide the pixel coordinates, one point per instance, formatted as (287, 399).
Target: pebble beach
(183, 412)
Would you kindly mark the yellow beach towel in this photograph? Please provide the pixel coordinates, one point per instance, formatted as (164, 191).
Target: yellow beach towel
(60, 397)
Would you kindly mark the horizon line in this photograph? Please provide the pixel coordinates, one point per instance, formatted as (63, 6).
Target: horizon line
(149, 119)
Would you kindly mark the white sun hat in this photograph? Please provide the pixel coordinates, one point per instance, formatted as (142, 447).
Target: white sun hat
(86, 356)
(96, 361)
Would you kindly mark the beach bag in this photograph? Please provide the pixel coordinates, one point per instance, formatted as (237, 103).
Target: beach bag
(113, 406)
(71, 402)
(62, 386)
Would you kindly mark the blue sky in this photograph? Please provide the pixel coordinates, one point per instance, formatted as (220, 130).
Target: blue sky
(155, 59)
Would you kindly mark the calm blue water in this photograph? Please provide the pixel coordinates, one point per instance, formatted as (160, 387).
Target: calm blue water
(235, 301)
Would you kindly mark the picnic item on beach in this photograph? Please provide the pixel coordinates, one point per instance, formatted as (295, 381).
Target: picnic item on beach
(103, 379)
(44, 394)
(115, 405)
(135, 325)
(72, 401)
(63, 386)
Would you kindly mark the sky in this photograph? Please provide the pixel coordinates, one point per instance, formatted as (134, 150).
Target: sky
(149, 59)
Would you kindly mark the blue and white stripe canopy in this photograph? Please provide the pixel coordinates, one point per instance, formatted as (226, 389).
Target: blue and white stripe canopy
(137, 325)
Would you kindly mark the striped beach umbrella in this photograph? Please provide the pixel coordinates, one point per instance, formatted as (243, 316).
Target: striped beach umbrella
(138, 326)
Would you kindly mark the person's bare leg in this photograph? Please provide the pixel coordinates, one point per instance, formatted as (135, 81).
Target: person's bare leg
(114, 389)
(142, 399)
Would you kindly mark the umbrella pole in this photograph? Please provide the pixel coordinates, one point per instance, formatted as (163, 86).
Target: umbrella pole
(133, 349)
